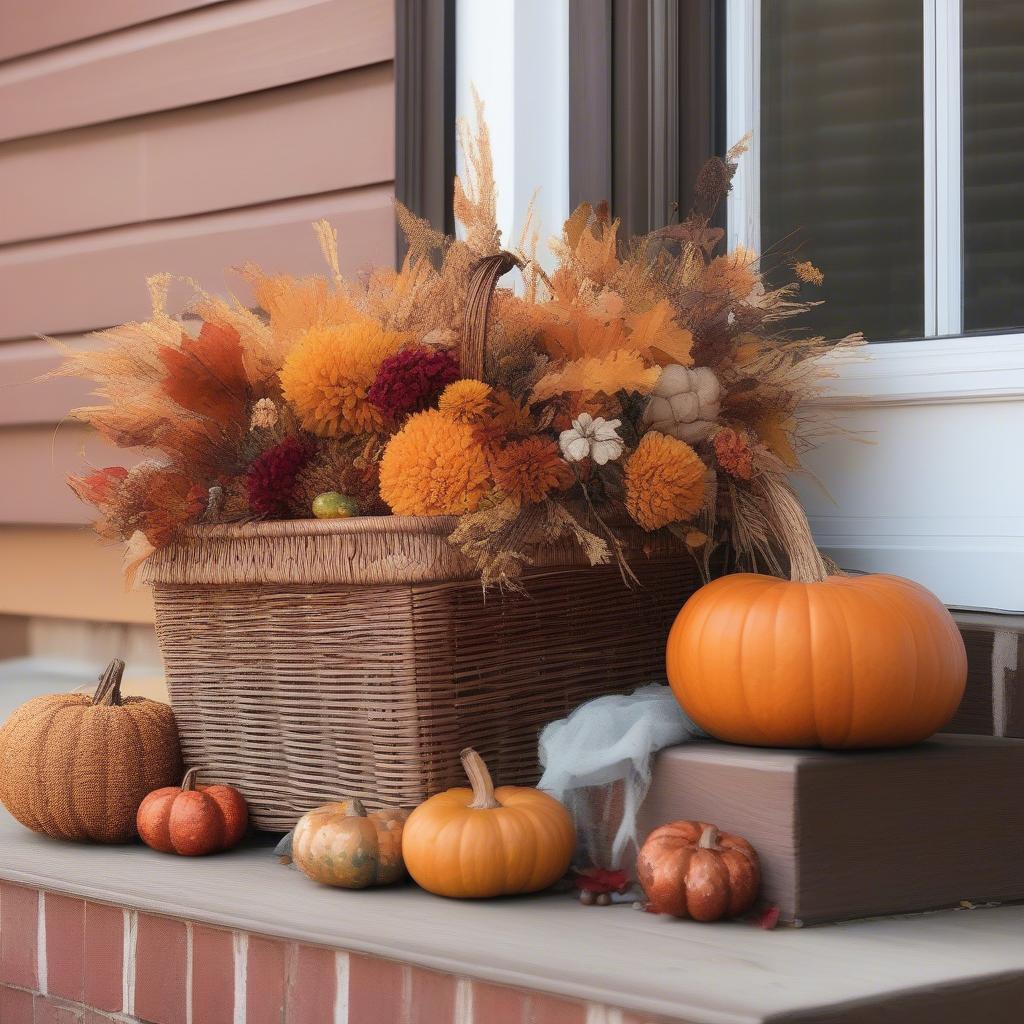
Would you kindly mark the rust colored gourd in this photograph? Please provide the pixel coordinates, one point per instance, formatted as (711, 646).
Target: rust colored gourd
(690, 869)
(482, 842)
(836, 662)
(340, 844)
(193, 820)
(77, 767)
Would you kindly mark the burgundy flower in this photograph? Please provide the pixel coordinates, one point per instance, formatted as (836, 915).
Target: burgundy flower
(272, 475)
(412, 380)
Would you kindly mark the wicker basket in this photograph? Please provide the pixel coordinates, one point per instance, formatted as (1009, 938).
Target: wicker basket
(308, 660)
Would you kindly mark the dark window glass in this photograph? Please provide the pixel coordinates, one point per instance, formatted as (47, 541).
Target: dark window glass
(993, 122)
(842, 173)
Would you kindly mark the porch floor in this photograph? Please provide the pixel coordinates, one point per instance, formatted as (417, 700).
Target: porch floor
(946, 966)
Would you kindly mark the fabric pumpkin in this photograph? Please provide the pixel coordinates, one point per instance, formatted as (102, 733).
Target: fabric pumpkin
(481, 842)
(77, 767)
(690, 869)
(685, 403)
(340, 844)
(193, 820)
(840, 662)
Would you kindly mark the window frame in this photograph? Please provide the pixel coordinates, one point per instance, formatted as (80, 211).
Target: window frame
(975, 559)
(425, 112)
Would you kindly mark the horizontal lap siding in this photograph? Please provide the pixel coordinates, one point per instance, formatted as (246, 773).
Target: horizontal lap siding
(167, 135)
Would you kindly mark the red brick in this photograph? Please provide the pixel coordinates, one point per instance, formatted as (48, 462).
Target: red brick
(104, 957)
(431, 997)
(65, 946)
(312, 986)
(160, 970)
(213, 975)
(19, 914)
(52, 1011)
(15, 1006)
(374, 990)
(264, 990)
(496, 1004)
(542, 1009)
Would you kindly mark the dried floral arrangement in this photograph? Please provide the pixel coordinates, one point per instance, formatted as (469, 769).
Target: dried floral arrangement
(643, 384)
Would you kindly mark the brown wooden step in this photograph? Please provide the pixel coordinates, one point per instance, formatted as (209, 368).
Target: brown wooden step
(858, 834)
(993, 704)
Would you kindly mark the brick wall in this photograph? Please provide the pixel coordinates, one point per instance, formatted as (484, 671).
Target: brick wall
(65, 960)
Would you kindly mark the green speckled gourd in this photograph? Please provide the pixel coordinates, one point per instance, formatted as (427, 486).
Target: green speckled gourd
(78, 767)
(340, 844)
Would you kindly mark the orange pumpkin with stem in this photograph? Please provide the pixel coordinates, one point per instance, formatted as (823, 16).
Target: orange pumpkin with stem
(480, 842)
(193, 820)
(74, 766)
(818, 660)
(691, 869)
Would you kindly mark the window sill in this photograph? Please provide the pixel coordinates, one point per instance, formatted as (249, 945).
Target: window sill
(972, 368)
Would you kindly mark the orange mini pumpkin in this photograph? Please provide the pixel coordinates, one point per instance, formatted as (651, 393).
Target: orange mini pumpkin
(839, 661)
(690, 869)
(480, 842)
(193, 820)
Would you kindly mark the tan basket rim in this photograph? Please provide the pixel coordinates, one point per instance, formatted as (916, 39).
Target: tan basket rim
(434, 526)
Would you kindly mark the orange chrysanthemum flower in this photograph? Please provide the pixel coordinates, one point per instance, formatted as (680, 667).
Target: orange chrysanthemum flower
(328, 373)
(434, 467)
(528, 470)
(664, 481)
(465, 400)
(734, 454)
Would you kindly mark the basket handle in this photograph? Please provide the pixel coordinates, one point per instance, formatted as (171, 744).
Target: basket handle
(482, 281)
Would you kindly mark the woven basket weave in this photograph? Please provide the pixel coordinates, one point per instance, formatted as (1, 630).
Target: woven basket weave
(309, 660)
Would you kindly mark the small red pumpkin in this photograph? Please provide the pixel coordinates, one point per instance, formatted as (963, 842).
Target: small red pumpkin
(690, 869)
(193, 820)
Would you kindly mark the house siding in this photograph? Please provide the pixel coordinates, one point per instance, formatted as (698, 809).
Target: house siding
(162, 135)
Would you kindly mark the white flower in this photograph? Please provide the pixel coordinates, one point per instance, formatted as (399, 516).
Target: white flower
(594, 437)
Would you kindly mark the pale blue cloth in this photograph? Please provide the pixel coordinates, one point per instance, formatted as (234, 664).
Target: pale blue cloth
(609, 740)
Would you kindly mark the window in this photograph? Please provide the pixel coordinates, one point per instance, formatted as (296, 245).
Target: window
(891, 134)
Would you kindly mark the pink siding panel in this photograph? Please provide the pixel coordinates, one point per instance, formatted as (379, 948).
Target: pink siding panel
(26, 398)
(66, 21)
(321, 136)
(207, 54)
(98, 279)
(39, 458)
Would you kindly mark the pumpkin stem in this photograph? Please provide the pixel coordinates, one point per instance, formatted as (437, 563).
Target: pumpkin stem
(188, 784)
(108, 692)
(480, 779)
(708, 838)
(806, 564)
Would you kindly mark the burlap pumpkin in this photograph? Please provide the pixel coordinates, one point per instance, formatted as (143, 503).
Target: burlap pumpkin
(77, 767)
(685, 403)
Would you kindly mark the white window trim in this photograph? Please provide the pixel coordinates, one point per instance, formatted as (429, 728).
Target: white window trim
(943, 168)
(974, 557)
(515, 53)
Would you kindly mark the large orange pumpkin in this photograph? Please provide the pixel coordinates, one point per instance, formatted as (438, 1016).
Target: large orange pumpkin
(481, 842)
(842, 661)
(75, 766)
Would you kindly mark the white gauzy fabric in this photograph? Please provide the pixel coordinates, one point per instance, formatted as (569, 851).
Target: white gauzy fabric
(609, 743)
